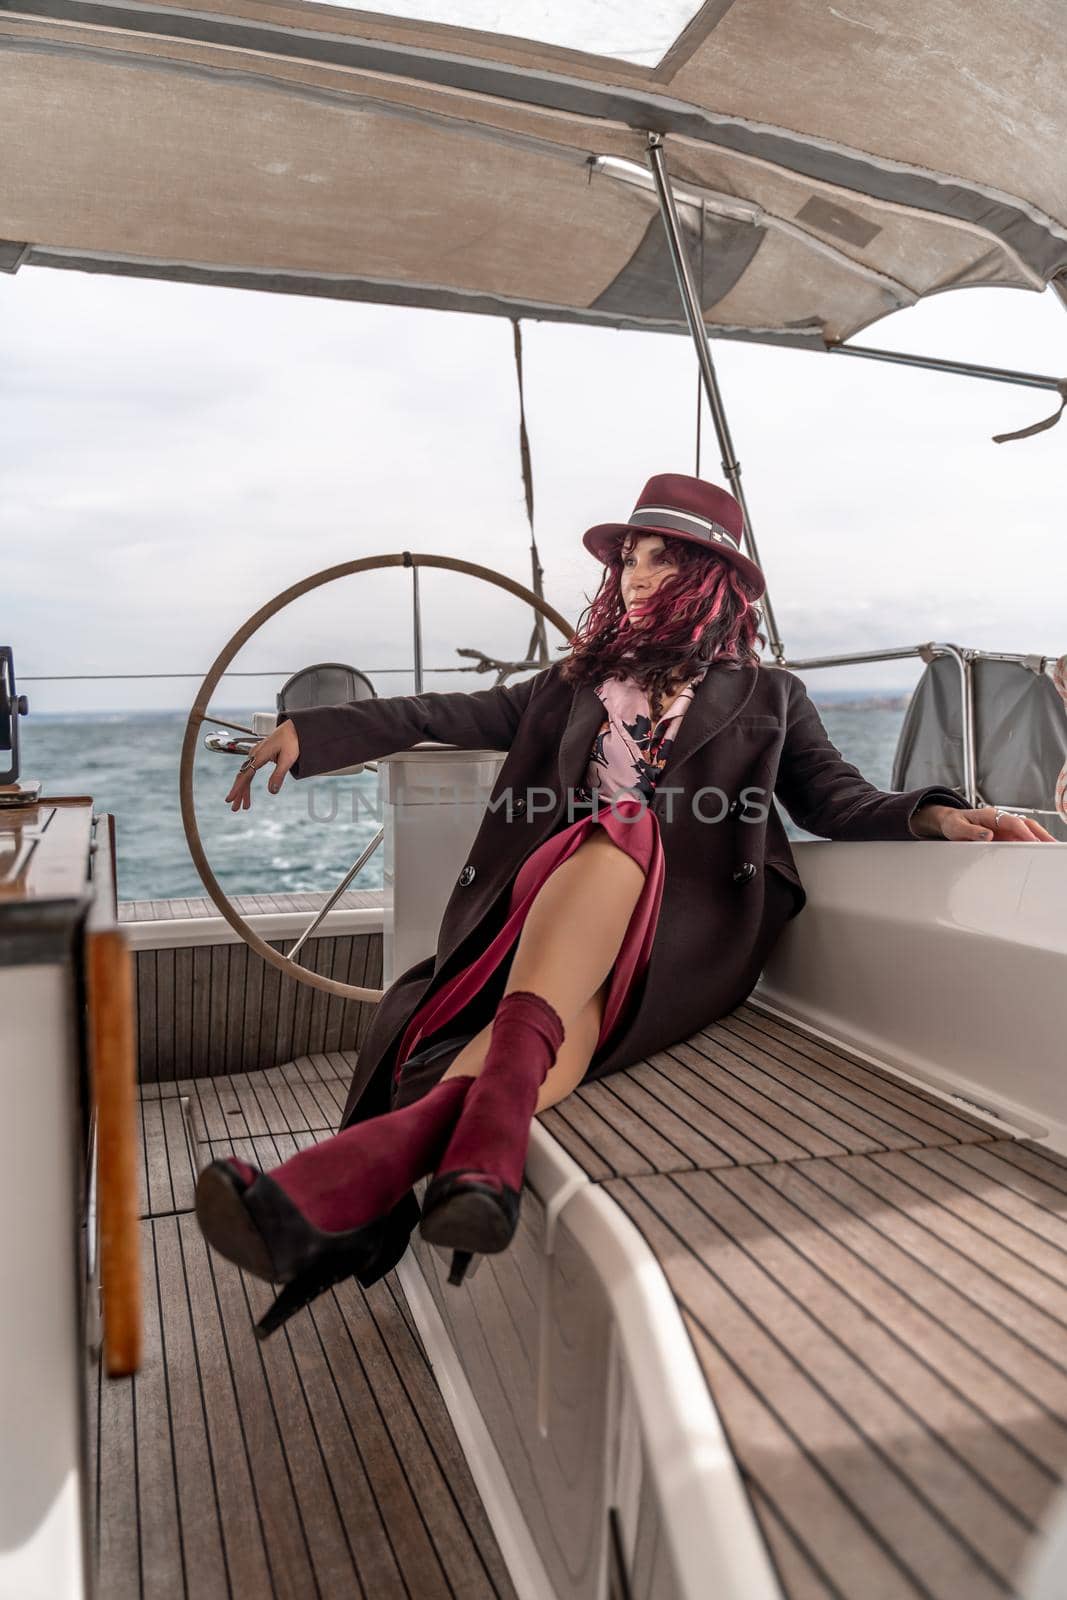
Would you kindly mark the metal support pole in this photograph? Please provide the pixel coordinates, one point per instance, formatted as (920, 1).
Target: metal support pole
(970, 769)
(695, 318)
(417, 627)
(963, 369)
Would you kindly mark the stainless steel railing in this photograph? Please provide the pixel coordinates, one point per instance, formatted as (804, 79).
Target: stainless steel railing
(964, 659)
(962, 655)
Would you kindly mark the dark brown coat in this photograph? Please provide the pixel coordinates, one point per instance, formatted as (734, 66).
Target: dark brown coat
(749, 732)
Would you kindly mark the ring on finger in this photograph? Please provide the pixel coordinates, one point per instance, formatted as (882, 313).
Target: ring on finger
(249, 765)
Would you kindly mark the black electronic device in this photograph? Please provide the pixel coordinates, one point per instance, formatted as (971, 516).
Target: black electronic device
(12, 706)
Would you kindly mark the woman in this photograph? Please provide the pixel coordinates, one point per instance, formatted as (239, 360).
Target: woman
(617, 910)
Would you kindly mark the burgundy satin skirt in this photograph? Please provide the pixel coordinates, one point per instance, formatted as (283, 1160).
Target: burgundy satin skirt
(634, 827)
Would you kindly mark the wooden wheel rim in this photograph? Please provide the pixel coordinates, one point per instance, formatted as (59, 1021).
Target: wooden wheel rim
(405, 558)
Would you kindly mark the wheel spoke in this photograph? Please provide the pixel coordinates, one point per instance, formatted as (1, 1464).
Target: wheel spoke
(238, 727)
(321, 915)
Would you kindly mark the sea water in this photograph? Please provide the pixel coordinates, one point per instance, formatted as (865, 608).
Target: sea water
(303, 839)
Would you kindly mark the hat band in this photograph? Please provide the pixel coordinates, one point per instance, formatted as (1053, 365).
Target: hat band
(682, 522)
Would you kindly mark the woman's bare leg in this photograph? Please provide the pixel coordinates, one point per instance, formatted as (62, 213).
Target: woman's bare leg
(568, 945)
(574, 1056)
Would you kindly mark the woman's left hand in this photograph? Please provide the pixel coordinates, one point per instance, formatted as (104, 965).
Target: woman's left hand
(981, 823)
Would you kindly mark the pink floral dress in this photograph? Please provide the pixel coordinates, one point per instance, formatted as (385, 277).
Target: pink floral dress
(629, 753)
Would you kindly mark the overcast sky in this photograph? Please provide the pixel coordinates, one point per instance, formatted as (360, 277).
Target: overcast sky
(172, 456)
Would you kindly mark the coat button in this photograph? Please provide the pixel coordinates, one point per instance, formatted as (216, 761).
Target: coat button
(520, 805)
(733, 808)
(745, 872)
(467, 875)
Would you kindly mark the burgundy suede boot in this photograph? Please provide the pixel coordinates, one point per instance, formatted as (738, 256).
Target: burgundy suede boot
(339, 1209)
(472, 1203)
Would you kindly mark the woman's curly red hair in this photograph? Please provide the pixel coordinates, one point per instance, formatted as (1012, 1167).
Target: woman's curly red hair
(702, 612)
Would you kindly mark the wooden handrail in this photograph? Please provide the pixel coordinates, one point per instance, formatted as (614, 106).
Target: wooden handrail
(112, 1048)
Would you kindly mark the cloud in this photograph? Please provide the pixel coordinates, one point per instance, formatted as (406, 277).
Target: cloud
(174, 455)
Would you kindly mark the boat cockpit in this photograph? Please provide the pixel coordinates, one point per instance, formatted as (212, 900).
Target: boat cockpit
(785, 1316)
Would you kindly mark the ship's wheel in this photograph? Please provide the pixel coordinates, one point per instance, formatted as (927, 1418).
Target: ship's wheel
(199, 715)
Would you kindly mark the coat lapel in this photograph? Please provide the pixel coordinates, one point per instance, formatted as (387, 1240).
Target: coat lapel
(721, 695)
(583, 725)
(717, 700)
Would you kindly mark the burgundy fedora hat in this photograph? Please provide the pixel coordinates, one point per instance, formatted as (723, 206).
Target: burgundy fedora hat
(683, 508)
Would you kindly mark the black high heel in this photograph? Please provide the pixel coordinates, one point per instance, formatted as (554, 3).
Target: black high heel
(471, 1213)
(394, 1229)
(258, 1227)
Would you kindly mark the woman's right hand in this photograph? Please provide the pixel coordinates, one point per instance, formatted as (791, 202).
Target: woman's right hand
(283, 748)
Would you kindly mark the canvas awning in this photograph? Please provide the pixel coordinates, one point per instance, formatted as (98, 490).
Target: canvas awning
(833, 163)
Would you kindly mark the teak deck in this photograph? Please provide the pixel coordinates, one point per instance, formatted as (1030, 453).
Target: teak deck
(874, 1281)
(319, 1465)
(875, 1284)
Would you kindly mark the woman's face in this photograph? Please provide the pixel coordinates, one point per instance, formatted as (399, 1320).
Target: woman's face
(647, 560)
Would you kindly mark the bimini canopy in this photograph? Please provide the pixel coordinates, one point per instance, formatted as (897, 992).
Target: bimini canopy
(832, 162)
